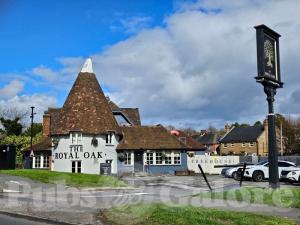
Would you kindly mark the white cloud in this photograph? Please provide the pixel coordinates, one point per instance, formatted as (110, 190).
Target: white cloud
(23, 103)
(11, 89)
(45, 73)
(136, 23)
(199, 69)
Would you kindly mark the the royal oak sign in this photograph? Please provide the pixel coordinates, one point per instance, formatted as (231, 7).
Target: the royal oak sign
(268, 61)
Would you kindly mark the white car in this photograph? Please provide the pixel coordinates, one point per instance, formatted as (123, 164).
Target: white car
(294, 176)
(260, 171)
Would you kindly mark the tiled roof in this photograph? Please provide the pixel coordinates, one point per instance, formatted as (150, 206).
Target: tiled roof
(86, 109)
(189, 141)
(44, 145)
(207, 139)
(243, 134)
(149, 138)
(132, 114)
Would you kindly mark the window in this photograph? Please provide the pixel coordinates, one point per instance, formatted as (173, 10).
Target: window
(225, 145)
(232, 144)
(285, 164)
(251, 144)
(158, 158)
(149, 158)
(46, 161)
(177, 158)
(37, 162)
(243, 144)
(109, 138)
(76, 137)
(127, 160)
(168, 159)
(76, 166)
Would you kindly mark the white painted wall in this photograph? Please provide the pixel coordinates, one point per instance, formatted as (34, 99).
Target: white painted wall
(88, 165)
(208, 162)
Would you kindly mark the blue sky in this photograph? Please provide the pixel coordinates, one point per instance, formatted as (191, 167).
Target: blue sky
(37, 32)
(185, 63)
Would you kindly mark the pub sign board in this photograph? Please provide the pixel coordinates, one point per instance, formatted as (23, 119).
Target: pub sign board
(268, 61)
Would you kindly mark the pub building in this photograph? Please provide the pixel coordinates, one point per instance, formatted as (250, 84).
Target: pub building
(91, 134)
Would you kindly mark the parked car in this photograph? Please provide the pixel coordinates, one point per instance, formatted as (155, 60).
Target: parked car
(291, 175)
(231, 172)
(260, 171)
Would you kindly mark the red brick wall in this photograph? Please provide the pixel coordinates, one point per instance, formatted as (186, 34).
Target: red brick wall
(46, 125)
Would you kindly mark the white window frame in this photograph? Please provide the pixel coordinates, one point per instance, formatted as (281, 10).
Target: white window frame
(148, 157)
(46, 161)
(76, 137)
(232, 145)
(225, 145)
(109, 138)
(243, 144)
(251, 144)
(128, 161)
(37, 161)
(170, 154)
(174, 155)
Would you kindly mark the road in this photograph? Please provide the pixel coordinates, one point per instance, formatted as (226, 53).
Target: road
(11, 220)
(82, 205)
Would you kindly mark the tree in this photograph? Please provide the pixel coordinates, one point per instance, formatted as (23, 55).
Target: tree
(189, 131)
(257, 123)
(36, 128)
(13, 113)
(11, 127)
(212, 129)
(290, 132)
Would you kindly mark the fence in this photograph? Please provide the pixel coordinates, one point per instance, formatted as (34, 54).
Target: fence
(208, 163)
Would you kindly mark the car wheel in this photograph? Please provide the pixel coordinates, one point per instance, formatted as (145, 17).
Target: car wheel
(257, 176)
(234, 175)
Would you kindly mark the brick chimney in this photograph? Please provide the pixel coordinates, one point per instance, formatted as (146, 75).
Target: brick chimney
(46, 125)
(203, 132)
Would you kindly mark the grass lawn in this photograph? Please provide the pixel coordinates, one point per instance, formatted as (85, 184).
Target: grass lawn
(284, 197)
(160, 214)
(70, 179)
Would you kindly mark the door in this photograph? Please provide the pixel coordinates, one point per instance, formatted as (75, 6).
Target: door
(138, 162)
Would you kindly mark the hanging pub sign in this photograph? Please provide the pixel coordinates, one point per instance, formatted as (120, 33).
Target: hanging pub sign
(268, 63)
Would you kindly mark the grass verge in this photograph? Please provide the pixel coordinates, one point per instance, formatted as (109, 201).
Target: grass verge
(69, 179)
(284, 197)
(160, 214)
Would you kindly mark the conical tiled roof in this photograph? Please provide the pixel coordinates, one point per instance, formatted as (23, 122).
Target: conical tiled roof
(85, 109)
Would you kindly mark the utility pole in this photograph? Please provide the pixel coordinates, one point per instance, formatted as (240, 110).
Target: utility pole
(31, 131)
(281, 144)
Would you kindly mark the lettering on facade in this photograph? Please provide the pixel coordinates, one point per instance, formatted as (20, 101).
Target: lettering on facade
(74, 153)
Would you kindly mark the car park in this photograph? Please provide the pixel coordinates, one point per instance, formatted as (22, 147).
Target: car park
(260, 171)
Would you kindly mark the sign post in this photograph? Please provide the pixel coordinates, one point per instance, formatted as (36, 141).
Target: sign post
(268, 66)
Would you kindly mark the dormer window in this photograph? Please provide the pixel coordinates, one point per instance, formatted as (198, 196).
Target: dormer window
(76, 138)
(109, 138)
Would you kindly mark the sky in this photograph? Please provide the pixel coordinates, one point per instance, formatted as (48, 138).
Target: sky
(182, 63)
